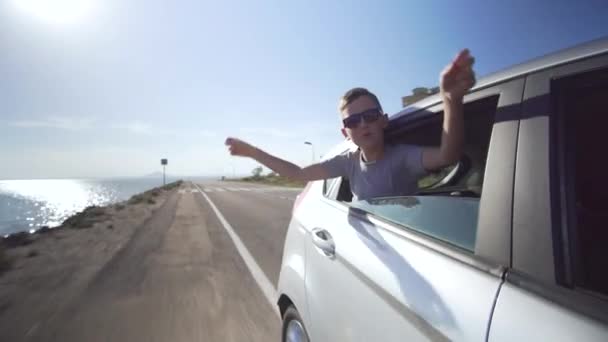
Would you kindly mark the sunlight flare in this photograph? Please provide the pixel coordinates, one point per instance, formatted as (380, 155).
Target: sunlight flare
(58, 12)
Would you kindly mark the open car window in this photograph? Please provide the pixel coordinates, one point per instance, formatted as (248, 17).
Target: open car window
(465, 178)
(453, 191)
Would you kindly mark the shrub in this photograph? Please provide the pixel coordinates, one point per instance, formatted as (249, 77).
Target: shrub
(5, 263)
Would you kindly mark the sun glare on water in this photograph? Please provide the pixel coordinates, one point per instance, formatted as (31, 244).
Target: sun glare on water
(57, 12)
(50, 201)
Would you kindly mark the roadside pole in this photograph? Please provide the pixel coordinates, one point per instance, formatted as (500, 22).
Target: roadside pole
(163, 162)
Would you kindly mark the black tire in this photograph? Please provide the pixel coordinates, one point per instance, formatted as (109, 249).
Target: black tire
(291, 314)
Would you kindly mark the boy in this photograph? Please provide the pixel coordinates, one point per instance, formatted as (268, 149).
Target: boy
(377, 169)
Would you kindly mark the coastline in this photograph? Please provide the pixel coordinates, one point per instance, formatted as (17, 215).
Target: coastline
(109, 224)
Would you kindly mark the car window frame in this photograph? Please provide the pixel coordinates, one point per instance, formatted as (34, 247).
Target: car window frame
(329, 187)
(541, 259)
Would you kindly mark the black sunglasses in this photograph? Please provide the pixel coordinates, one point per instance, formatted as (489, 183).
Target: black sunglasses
(369, 116)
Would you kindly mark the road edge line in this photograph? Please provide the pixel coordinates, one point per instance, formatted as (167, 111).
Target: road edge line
(258, 275)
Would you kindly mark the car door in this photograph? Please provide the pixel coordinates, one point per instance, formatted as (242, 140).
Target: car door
(557, 289)
(424, 267)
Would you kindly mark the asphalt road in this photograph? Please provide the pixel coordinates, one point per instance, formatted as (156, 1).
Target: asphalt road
(260, 216)
(181, 278)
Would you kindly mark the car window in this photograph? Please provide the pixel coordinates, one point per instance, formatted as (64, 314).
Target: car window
(456, 225)
(329, 187)
(581, 123)
(464, 178)
(435, 178)
(446, 208)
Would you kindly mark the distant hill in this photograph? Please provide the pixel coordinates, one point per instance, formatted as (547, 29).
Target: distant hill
(172, 177)
(158, 174)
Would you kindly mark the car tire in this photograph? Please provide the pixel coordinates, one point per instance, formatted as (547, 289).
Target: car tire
(293, 328)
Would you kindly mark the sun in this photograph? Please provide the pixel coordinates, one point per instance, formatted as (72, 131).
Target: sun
(57, 12)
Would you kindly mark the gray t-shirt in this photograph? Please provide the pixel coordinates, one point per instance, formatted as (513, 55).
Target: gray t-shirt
(396, 174)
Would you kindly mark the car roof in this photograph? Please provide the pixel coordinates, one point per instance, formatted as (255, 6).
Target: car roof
(585, 50)
(581, 51)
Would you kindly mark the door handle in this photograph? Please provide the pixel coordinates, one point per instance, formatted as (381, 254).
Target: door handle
(323, 241)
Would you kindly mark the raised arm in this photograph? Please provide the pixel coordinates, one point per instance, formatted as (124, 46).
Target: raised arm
(282, 167)
(456, 79)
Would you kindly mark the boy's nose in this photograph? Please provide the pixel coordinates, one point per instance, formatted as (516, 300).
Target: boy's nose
(362, 123)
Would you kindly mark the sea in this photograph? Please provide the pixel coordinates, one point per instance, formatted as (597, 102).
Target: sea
(28, 205)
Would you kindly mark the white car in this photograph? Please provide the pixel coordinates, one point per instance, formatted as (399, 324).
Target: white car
(509, 244)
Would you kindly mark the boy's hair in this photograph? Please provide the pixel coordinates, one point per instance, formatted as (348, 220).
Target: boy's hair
(354, 94)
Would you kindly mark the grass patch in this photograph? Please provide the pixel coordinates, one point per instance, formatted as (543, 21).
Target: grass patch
(136, 199)
(87, 218)
(273, 179)
(173, 185)
(17, 240)
(43, 230)
(5, 263)
(91, 215)
(150, 195)
(95, 211)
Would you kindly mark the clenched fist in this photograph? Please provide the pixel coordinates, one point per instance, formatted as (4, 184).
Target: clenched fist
(458, 77)
(239, 148)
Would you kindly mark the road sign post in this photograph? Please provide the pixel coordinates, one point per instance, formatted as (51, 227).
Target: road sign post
(163, 162)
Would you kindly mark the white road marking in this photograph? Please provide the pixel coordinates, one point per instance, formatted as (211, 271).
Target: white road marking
(181, 191)
(32, 329)
(265, 285)
(208, 190)
(194, 190)
(219, 189)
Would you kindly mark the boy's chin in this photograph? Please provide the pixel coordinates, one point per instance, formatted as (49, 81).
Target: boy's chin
(368, 144)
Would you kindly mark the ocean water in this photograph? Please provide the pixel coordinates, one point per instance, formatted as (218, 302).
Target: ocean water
(27, 205)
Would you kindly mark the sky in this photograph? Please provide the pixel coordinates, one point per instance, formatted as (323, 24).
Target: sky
(94, 88)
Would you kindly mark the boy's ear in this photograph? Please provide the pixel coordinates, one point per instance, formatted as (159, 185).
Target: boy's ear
(344, 133)
(384, 120)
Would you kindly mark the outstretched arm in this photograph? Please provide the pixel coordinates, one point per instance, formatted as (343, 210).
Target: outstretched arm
(282, 167)
(456, 79)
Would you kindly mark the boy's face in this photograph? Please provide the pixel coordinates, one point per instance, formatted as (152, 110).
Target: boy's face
(366, 128)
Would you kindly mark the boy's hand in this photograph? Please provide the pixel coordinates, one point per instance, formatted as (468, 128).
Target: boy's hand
(239, 148)
(458, 77)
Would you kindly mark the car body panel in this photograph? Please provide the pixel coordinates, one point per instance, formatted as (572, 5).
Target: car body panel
(384, 281)
(384, 285)
(520, 316)
(293, 265)
(537, 302)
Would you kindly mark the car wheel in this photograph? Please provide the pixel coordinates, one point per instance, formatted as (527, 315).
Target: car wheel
(293, 327)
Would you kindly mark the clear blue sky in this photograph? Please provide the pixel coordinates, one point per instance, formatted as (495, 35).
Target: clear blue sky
(93, 88)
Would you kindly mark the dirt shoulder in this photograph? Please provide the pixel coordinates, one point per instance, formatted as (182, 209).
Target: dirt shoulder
(42, 271)
(164, 271)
